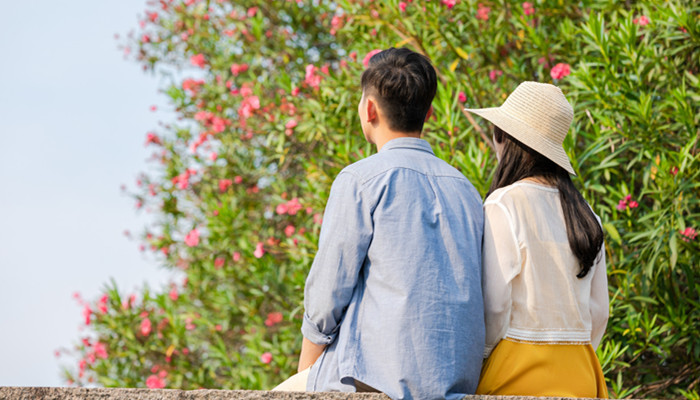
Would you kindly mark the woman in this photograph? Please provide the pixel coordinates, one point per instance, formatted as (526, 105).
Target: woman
(544, 279)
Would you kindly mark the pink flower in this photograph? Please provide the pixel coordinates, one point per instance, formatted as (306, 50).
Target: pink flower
(560, 70)
(281, 208)
(689, 234)
(483, 12)
(81, 368)
(274, 318)
(146, 327)
(312, 78)
(100, 350)
(449, 3)
(259, 250)
(494, 74)
(365, 61)
(402, 6)
(252, 11)
(152, 138)
(154, 108)
(266, 357)
(153, 16)
(622, 205)
(238, 68)
(218, 124)
(87, 312)
(192, 238)
(293, 206)
(248, 105)
(236, 256)
(528, 8)
(213, 156)
(224, 184)
(238, 179)
(182, 181)
(289, 230)
(198, 60)
(641, 21)
(462, 97)
(192, 85)
(218, 327)
(219, 262)
(155, 382)
(188, 324)
(173, 294)
(336, 23)
(627, 202)
(102, 304)
(291, 124)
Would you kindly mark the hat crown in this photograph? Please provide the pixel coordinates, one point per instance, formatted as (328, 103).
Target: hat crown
(542, 107)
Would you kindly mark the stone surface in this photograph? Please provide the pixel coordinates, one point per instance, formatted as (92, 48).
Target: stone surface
(58, 393)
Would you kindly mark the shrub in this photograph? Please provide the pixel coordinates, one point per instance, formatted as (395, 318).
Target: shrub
(267, 118)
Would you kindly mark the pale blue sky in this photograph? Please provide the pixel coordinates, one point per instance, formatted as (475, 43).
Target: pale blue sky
(73, 118)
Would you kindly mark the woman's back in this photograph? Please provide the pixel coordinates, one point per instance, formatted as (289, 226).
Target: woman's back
(532, 296)
(549, 303)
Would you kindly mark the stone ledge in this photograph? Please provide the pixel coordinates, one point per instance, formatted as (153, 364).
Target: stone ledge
(60, 393)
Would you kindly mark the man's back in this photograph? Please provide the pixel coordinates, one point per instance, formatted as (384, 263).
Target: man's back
(411, 312)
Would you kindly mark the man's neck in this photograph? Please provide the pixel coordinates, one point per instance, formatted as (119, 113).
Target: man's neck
(388, 135)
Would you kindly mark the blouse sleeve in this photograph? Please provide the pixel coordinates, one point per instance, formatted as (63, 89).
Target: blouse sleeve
(600, 303)
(501, 263)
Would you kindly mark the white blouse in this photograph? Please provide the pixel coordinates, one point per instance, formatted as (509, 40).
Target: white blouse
(531, 292)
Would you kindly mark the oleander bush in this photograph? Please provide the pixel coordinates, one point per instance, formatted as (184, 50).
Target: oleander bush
(266, 95)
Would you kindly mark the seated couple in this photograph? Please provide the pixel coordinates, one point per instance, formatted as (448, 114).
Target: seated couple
(416, 282)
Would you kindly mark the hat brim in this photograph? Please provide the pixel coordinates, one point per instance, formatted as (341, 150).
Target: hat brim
(526, 134)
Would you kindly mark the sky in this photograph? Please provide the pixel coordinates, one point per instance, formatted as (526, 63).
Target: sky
(73, 118)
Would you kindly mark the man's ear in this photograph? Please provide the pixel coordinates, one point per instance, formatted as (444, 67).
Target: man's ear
(429, 113)
(372, 111)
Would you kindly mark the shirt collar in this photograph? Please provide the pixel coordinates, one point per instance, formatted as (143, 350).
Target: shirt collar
(408, 143)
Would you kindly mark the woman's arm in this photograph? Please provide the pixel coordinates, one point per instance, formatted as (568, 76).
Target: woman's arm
(501, 263)
(600, 302)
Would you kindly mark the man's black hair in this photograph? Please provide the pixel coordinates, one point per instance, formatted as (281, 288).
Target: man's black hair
(404, 84)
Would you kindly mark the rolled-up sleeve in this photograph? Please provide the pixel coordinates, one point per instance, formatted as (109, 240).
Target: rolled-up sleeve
(342, 248)
(501, 263)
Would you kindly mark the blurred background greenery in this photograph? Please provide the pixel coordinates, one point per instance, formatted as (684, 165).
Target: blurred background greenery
(267, 118)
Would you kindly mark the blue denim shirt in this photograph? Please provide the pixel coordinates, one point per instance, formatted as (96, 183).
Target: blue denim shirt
(395, 288)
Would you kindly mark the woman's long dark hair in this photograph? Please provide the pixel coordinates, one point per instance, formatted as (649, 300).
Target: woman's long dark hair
(518, 161)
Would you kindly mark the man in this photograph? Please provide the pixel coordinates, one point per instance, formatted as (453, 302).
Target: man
(393, 299)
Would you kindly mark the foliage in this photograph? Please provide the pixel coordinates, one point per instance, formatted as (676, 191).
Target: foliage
(268, 118)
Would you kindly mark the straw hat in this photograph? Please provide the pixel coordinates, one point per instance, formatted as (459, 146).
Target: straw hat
(538, 115)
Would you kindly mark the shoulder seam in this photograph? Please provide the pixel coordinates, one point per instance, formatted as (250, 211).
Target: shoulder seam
(364, 181)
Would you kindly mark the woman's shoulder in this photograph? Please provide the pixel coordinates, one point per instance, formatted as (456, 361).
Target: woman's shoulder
(521, 190)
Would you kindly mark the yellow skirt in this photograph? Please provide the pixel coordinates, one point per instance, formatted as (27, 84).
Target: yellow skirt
(555, 370)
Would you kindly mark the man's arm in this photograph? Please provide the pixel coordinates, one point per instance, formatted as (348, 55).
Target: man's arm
(310, 352)
(342, 248)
